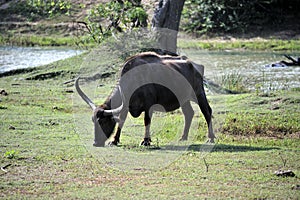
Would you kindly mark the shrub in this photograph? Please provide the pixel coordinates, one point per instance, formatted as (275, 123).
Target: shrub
(234, 81)
(115, 16)
(202, 16)
(10, 154)
(34, 9)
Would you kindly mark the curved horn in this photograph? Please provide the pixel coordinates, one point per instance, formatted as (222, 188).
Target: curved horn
(83, 96)
(116, 111)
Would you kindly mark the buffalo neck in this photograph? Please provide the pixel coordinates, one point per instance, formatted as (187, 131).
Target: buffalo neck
(114, 100)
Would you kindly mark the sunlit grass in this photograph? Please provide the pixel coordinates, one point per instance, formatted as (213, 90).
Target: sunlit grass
(252, 44)
(36, 40)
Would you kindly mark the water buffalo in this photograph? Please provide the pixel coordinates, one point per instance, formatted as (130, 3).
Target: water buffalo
(150, 82)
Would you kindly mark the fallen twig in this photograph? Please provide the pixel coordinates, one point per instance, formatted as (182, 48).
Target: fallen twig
(4, 167)
(69, 81)
(206, 165)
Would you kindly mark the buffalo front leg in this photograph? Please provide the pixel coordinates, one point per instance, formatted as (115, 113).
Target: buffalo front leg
(121, 122)
(188, 113)
(147, 123)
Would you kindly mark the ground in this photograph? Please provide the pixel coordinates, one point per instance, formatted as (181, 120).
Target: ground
(46, 145)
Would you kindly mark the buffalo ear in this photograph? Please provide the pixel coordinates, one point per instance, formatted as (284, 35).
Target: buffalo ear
(99, 113)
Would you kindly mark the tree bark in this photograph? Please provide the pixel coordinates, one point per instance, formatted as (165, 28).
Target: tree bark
(165, 23)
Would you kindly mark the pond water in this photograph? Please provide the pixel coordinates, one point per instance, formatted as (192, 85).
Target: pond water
(249, 67)
(23, 57)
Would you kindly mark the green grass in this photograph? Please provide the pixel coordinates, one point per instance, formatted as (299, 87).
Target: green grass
(51, 155)
(252, 44)
(37, 40)
(59, 39)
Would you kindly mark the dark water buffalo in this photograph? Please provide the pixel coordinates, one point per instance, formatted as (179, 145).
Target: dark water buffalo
(151, 82)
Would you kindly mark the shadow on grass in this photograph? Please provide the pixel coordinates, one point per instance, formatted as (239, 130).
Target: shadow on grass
(234, 148)
(214, 148)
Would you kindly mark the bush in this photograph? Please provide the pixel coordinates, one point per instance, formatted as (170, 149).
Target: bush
(202, 16)
(234, 82)
(115, 16)
(34, 9)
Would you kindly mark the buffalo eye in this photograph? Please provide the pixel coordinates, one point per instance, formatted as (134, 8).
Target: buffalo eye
(100, 114)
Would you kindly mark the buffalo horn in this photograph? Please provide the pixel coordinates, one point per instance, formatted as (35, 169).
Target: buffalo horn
(83, 96)
(116, 111)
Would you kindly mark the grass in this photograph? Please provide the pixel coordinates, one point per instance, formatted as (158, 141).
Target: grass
(264, 118)
(233, 81)
(252, 44)
(84, 42)
(37, 40)
(56, 37)
(52, 153)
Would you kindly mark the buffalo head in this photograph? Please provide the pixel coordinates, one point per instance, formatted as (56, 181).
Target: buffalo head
(104, 118)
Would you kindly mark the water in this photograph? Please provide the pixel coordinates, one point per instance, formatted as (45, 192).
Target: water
(250, 66)
(23, 57)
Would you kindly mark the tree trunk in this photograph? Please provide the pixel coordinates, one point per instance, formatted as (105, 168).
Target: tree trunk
(165, 23)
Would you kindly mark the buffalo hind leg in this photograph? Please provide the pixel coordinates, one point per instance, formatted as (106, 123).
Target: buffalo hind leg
(207, 112)
(188, 113)
(122, 119)
(147, 123)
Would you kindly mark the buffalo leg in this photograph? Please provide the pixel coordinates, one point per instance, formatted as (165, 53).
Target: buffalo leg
(147, 123)
(188, 116)
(207, 112)
(122, 117)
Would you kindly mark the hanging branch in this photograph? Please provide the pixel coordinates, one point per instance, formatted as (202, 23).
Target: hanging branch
(88, 28)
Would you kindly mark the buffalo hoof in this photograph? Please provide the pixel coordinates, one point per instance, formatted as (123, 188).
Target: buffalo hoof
(113, 143)
(3, 92)
(211, 140)
(96, 144)
(146, 142)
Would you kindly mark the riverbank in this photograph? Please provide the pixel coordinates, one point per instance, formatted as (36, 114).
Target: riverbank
(46, 144)
(66, 28)
(36, 40)
(254, 44)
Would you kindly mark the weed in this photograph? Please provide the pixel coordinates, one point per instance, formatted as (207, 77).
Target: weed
(284, 160)
(11, 154)
(296, 89)
(234, 81)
